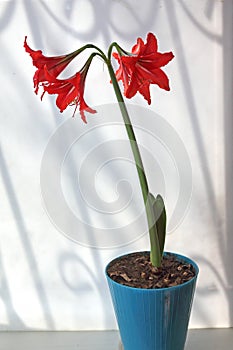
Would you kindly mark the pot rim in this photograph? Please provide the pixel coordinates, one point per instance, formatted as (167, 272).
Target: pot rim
(157, 290)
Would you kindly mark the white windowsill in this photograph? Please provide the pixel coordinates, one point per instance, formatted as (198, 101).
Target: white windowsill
(208, 339)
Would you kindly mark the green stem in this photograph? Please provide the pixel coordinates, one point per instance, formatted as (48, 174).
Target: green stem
(155, 249)
(83, 48)
(119, 49)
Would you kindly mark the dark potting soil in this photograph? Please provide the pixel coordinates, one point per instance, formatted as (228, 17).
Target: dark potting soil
(135, 270)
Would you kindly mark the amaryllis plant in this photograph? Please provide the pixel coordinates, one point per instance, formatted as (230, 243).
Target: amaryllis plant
(137, 70)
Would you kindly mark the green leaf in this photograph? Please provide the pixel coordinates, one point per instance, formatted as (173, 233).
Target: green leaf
(160, 220)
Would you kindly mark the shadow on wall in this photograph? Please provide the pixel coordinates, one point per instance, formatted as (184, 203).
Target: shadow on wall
(86, 283)
(225, 239)
(225, 242)
(13, 319)
(124, 18)
(228, 121)
(7, 14)
(30, 257)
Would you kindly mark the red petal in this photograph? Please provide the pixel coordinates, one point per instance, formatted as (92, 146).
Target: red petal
(144, 90)
(84, 107)
(138, 48)
(132, 89)
(157, 76)
(151, 45)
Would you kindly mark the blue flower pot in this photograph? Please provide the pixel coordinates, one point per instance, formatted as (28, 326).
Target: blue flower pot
(153, 319)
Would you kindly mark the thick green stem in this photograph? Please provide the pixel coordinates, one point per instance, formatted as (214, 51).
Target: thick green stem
(155, 249)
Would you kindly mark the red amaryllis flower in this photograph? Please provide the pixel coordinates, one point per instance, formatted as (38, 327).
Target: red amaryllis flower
(55, 65)
(69, 91)
(142, 68)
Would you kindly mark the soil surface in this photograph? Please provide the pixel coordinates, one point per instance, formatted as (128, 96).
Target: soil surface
(135, 270)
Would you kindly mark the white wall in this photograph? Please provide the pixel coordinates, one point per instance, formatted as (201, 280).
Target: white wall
(51, 280)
